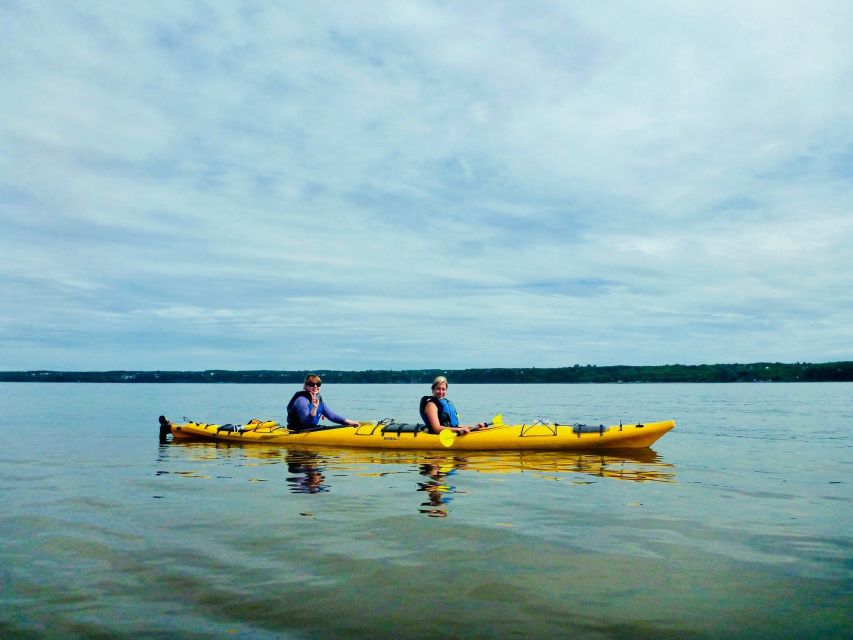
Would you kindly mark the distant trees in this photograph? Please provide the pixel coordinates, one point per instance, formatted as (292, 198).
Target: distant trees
(754, 372)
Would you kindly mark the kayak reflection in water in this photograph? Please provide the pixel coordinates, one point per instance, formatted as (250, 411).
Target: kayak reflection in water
(438, 491)
(308, 475)
(438, 413)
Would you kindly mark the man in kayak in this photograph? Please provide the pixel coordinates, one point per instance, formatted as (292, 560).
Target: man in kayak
(306, 408)
(438, 413)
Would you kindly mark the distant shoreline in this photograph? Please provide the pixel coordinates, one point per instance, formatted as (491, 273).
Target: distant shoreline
(577, 374)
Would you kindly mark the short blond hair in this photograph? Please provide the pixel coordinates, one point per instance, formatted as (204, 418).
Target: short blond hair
(312, 377)
(438, 380)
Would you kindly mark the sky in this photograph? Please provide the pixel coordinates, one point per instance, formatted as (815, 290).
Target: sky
(397, 185)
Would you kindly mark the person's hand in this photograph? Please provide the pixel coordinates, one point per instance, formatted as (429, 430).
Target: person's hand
(352, 423)
(463, 430)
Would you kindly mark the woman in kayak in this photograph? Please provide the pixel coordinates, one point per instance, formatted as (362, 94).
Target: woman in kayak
(438, 413)
(306, 408)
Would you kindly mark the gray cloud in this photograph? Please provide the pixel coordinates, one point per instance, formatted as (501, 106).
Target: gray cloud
(390, 185)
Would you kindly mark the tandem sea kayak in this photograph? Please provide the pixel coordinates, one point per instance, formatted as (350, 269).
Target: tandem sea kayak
(387, 434)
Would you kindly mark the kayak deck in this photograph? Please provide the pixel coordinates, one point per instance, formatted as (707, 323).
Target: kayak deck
(541, 436)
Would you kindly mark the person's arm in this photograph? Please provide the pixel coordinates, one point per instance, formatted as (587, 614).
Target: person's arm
(431, 411)
(334, 417)
(303, 410)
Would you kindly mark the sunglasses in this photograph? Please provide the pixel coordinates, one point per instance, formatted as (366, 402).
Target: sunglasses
(313, 384)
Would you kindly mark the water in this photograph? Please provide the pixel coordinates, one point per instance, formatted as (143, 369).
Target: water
(736, 525)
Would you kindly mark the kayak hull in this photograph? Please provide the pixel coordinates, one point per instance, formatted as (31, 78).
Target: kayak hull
(533, 437)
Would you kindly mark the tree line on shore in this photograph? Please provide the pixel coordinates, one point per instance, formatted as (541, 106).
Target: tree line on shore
(753, 372)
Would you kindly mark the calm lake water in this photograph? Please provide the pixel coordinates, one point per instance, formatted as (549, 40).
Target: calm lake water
(737, 524)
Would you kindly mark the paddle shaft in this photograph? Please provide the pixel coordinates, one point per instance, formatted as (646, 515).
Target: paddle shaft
(447, 436)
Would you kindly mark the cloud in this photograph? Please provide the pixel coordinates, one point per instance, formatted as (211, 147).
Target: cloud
(391, 185)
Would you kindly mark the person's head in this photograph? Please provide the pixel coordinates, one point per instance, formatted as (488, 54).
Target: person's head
(312, 382)
(439, 387)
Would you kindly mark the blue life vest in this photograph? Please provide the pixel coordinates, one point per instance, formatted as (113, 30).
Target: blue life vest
(293, 417)
(446, 411)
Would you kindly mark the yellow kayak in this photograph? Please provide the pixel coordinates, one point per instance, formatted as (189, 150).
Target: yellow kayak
(387, 434)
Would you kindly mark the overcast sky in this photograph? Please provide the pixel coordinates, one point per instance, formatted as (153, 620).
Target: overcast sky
(387, 185)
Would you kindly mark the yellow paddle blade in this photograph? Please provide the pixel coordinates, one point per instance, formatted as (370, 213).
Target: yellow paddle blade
(498, 421)
(447, 437)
